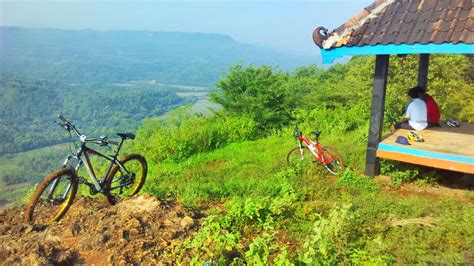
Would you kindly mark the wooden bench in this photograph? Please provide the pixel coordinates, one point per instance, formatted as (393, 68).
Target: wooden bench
(444, 147)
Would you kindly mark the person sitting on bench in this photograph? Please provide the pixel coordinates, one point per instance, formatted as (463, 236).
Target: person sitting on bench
(416, 113)
(432, 108)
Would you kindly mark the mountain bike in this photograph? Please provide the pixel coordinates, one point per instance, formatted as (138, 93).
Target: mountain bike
(55, 194)
(313, 152)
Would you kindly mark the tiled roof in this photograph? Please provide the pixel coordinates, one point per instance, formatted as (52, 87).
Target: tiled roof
(404, 22)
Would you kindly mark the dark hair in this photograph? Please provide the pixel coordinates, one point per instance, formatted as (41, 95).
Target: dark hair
(414, 93)
(421, 90)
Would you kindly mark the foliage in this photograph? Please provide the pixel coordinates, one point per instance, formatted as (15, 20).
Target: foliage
(29, 107)
(223, 236)
(177, 139)
(351, 179)
(267, 212)
(21, 171)
(447, 83)
(255, 92)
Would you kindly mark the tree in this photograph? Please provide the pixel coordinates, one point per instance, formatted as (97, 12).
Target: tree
(256, 92)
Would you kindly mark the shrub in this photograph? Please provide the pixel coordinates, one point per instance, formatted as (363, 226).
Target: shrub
(177, 140)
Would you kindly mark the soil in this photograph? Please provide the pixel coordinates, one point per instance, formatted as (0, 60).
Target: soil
(458, 189)
(140, 230)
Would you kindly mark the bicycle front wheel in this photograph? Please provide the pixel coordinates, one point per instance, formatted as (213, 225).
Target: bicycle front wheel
(127, 180)
(52, 197)
(336, 164)
(297, 156)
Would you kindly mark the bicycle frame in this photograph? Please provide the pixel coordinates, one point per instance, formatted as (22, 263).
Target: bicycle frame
(317, 151)
(81, 155)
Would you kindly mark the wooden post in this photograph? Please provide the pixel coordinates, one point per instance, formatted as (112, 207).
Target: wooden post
(372, 166)
(423, 63)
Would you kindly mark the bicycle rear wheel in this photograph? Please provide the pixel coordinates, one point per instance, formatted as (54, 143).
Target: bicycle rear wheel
(52, 197)
(336, 163)
(126, 182)
(297, 156)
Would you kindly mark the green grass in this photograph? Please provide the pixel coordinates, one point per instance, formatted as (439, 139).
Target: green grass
(236, 170)
(267, 202)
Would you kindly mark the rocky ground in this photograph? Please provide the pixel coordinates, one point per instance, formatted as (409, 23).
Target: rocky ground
(140, 230)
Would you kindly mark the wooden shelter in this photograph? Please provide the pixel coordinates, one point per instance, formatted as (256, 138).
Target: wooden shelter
(400, 27)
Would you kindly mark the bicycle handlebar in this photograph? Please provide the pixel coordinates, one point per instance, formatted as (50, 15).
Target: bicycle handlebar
(298, 133)
(62, 118)
(102, 141)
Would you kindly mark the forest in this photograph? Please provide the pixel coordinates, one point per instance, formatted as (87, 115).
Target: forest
(29, 108)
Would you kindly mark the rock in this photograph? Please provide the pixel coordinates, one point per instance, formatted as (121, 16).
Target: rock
(164, 244)
(124, 234)
(75, 229)
(186, 223)
(169, 235)
(105, 237)
(53, 238)
(133, 232)
(110, 259)
(147, 245)
(168, 222)
(28, 229)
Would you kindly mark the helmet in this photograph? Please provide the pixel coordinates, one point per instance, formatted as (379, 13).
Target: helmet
(412, 136)
(402, 140)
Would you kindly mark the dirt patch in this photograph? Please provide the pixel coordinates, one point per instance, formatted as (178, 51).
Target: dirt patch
(139, 230)
(428, 191)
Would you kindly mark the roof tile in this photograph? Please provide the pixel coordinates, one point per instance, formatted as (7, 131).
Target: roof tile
(408, 22)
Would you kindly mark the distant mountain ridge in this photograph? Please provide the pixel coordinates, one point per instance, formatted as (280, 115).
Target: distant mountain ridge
(91, 56)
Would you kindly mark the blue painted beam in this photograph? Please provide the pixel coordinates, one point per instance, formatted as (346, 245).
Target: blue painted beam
(445, 48)
(426, 154)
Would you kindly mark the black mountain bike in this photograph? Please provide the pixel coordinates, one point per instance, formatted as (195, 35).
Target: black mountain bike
(55, 194)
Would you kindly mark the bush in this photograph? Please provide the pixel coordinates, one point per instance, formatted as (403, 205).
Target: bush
(171, 140)
(258, 93)
(335, 240)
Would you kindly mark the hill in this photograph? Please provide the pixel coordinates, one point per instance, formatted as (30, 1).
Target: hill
(89, 56)
(220, 190)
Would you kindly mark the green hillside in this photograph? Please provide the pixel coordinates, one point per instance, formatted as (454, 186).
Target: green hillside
(230, 166)
(261, 211)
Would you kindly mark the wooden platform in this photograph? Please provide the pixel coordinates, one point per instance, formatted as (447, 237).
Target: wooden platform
(444, 147)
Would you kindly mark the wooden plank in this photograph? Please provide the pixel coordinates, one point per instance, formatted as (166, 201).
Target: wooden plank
(444, 147)
(449, 140)
(372, 165)
(423, 64)
(435, 163)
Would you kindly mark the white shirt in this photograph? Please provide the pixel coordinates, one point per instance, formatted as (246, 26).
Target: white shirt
(417, 114)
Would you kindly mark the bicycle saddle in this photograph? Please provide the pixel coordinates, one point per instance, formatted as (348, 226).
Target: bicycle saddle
(126, 135)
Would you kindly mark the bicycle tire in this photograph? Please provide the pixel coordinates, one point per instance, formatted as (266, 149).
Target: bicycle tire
(39, 206)
(294, 156)
(336, 164)
(134, 187)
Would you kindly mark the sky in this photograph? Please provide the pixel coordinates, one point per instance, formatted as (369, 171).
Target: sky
(283, 25)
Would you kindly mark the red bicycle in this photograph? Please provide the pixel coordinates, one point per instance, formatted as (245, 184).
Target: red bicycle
(314, 152)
